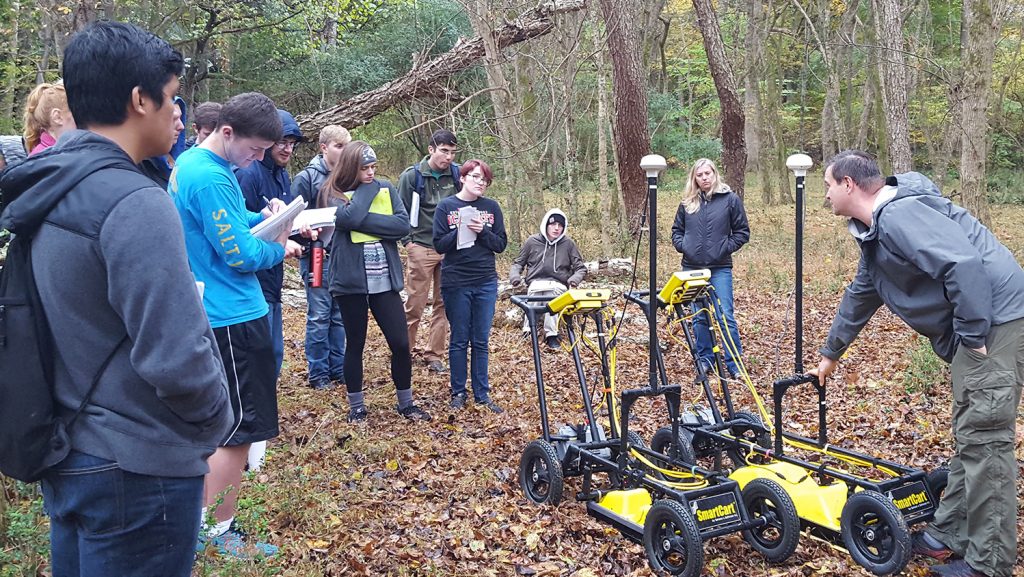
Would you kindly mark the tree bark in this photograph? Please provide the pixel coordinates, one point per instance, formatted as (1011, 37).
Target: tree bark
(982, 22)
(7, 107)
(632, 139)
(753, 46)
(734, 148)
(892, 74)
(426, 79)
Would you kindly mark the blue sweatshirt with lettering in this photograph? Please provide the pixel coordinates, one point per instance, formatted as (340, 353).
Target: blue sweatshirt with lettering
(221, 251)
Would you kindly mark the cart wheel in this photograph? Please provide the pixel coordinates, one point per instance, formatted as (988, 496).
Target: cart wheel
(875, 533)
(540, 473)
(738, 458)
(671, 540)
(682, 449)
(777, 540)
(937, 480)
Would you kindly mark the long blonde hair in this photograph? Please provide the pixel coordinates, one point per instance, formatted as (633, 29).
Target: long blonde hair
(692, 194)
(42, 101)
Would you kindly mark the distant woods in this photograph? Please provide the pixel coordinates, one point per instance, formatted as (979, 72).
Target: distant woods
(564, 97)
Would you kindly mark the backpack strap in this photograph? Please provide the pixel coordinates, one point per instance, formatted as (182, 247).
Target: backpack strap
(455, 176)
(95, 382)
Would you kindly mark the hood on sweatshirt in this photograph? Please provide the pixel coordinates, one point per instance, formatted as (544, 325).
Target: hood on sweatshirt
(544, 225)
(897, 187)
(48, 176)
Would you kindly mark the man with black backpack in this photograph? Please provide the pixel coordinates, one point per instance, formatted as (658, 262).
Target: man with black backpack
(139, 395)
(422, 186)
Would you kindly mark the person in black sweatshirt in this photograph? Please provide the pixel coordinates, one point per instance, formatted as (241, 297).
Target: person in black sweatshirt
(469, 230)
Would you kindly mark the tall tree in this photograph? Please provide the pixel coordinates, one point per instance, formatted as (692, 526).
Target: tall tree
(893, 75)
(734, 148)
(632, 139)
(982, 22)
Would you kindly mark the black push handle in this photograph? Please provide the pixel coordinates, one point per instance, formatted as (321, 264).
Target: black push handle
(779, 389)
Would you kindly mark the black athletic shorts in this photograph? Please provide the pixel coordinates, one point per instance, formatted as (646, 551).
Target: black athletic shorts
(248, 354)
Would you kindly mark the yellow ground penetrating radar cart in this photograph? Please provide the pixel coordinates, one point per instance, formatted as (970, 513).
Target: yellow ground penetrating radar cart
(861, 502)
(668, 506)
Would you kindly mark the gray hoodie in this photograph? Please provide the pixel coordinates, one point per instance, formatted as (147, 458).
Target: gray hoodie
(557, 259)
(934, 265)
(109, 260)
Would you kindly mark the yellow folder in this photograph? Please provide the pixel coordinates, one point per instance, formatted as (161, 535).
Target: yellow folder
(381, 205)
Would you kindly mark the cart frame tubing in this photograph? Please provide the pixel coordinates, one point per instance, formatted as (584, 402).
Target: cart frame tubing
(532, 310)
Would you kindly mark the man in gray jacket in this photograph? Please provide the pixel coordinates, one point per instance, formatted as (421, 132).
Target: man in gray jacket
(553, 265)
(109, 260)
(951, 280)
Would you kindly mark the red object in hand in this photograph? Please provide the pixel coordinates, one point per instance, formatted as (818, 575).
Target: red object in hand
(316, 261)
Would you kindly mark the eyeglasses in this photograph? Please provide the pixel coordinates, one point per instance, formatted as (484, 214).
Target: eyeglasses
(478, 177)
(285, 144)
(447, 151)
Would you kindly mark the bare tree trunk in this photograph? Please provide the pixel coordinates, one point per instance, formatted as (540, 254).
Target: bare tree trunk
(753, 45)
(632, 140)
(833, 138)
(734, 149)
(982, 22)
(892, 74)
(602, 154)
(868, 99)
(7, 106)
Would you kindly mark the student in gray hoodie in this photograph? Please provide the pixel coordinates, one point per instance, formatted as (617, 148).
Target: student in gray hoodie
(109, 260)
(948, 277)
(553, 264)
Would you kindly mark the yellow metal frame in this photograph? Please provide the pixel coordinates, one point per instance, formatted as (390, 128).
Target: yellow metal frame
(684, 286)
(577, 301)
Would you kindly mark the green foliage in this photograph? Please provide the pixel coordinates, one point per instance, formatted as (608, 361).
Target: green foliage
(24, 530)
(925, 369)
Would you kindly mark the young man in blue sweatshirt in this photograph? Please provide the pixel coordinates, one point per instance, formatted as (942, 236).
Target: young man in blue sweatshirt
(225, 256)
(109, 260)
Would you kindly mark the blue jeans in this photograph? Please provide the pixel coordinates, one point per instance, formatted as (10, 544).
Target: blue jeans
(107, 521)
(721, 280)
(470, 313)
(276, 335)
(325, 333)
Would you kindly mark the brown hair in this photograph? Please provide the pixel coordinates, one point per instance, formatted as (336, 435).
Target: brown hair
(43, 99)
(345, 176)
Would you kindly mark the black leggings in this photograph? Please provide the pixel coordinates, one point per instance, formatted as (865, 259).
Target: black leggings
(389, 312)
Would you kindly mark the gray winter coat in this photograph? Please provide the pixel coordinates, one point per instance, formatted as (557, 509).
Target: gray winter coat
(308, 182)
(934, 265)
(347, 268)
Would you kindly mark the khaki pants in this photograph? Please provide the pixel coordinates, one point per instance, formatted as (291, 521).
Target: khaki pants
(977, 515)
(424, 268)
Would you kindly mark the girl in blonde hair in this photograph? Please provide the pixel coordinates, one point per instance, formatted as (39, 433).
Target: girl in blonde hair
(710, 226)
(47, 116)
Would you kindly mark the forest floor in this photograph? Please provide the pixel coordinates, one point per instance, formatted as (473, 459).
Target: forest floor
(391, 497)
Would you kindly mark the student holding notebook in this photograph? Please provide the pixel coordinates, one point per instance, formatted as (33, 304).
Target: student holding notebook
(366, 272)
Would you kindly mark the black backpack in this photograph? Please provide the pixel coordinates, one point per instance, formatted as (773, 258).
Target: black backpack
(32, 437)
(455, 176)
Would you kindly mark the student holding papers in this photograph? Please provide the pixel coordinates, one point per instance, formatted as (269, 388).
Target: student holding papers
(366, 272)
(469, 230)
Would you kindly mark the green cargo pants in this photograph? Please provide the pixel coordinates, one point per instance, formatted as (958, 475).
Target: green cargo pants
(977, 515)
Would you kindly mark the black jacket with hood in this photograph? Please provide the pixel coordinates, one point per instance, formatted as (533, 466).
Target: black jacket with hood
(557, 259)
(934, 265)
(109, 260)
(708, 237)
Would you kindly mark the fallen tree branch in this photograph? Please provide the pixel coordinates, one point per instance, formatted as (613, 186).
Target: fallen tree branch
(424, 79)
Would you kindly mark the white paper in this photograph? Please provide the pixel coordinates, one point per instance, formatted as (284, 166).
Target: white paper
(201, 287)
(414, 212)
(466, 237)
(315, 218)
(279, 222)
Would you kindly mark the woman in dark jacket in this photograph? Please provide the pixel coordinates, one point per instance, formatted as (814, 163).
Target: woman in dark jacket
(366, 273)
(710, 226)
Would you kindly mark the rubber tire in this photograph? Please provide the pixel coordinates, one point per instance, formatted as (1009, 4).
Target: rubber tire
(735, 456)
(875, 533)
(937, 480)
(661, 442)
(666, 520)
(540, 473)
(766, 498)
